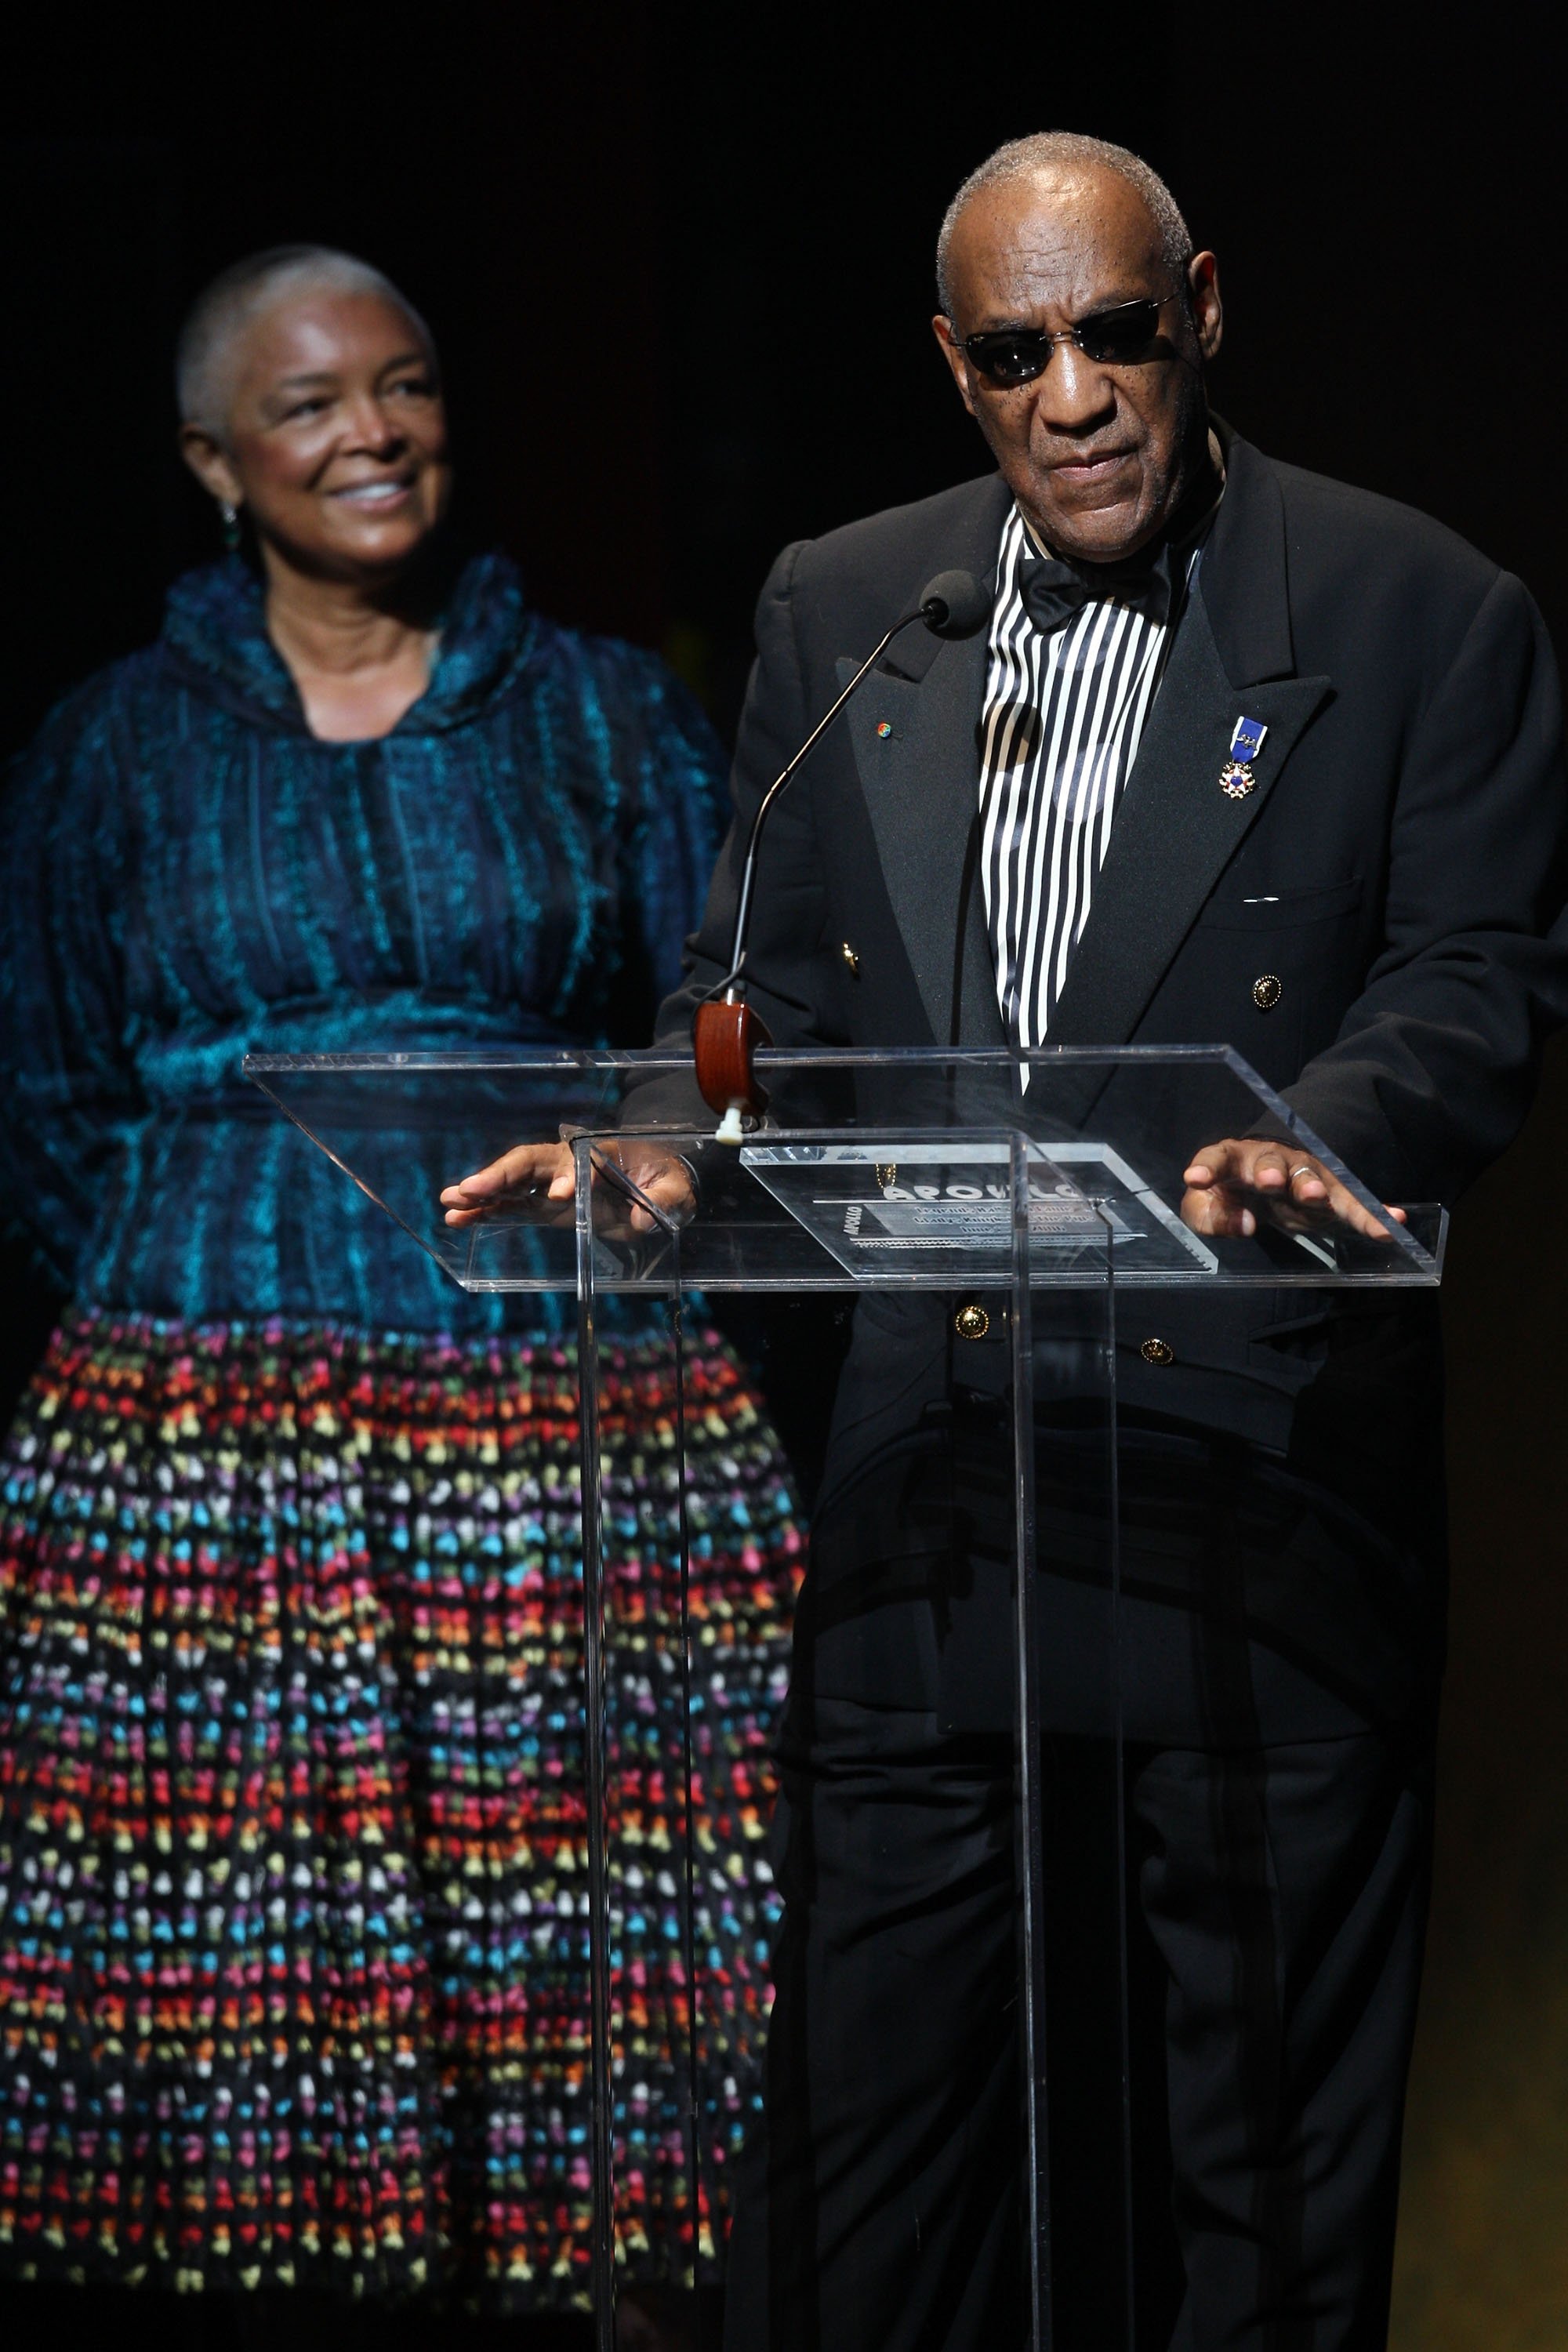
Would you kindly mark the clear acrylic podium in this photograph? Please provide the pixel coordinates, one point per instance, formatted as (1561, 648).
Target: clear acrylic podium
(1009, 1230)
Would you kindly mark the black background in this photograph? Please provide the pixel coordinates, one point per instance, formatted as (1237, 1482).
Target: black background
(679, 262)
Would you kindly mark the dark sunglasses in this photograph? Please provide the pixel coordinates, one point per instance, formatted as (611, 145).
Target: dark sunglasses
(1113, 338)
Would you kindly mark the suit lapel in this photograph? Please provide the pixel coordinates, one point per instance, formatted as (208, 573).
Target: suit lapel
(1175, 831)
(920, 781)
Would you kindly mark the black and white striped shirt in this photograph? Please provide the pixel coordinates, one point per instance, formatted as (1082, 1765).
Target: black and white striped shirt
(1060, 729)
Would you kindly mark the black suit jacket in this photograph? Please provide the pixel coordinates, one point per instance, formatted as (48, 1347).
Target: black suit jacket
(1398, 868)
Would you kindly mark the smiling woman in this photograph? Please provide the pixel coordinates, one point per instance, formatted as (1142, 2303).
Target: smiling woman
(313, 402)
(292, 1962)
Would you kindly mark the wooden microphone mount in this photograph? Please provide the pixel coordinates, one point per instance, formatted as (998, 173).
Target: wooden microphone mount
(725, 1034)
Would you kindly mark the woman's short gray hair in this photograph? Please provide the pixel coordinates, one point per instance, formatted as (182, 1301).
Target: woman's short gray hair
(1021, 158)
(222, 312)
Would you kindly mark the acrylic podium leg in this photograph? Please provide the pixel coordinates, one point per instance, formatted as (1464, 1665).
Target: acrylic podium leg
(649, 2125)
(676, 1745)
(1026, 1706)
(596, 1732)
(1073, 1883)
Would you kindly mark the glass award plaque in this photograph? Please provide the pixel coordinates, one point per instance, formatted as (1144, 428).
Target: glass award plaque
(892, 1206)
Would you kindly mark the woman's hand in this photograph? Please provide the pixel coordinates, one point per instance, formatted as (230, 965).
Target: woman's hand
(1283, 1178)
(545, 1175)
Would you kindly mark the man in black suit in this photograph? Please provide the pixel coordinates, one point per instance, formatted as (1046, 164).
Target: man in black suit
(1366, 921)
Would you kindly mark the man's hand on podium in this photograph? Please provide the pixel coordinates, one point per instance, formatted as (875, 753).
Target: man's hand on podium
(540, 1179)
(1231, 1183)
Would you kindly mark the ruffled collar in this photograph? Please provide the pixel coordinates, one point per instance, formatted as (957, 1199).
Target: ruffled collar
(214, 633)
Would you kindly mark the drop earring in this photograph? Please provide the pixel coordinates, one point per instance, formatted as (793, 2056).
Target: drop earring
(230, 514)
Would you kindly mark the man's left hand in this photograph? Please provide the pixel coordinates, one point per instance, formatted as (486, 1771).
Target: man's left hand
(1231, 1184)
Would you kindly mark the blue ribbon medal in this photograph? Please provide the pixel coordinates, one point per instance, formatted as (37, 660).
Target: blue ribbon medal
(1236, 777)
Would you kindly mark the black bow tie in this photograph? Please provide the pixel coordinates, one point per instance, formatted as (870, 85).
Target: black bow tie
(1055, 592)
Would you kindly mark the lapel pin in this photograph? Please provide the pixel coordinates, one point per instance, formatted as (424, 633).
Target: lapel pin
(884, 727)
(1236, 777)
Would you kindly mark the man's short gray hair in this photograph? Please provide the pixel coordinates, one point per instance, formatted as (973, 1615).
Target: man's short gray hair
(223, 310)
(1046, 150)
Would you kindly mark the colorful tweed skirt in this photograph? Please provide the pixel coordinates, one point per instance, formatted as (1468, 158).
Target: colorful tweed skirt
(293, 1918)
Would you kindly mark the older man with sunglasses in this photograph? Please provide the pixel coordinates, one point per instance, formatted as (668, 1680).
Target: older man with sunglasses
(1370, 932)
(1015, 839)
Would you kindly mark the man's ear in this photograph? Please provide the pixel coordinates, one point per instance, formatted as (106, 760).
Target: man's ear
(953, 354)
(1208, 310)
(211, 464)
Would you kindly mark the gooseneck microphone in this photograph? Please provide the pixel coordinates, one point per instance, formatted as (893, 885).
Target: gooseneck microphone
(954, 605)
(725, 1031)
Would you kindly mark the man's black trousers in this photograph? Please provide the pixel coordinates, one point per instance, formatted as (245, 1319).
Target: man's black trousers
(1278, 1901)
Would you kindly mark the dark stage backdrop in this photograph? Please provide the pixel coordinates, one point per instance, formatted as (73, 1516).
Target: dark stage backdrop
(679, 264)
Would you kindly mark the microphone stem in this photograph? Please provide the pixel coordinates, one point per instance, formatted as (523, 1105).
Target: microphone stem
(748, 872)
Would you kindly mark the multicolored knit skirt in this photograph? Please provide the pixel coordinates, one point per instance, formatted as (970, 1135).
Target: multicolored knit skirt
(293, 1927)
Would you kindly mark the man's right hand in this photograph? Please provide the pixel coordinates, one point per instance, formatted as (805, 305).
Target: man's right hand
(545, 1174)
(1229, 1183)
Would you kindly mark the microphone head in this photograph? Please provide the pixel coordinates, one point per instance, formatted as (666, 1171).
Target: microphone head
(954, 605)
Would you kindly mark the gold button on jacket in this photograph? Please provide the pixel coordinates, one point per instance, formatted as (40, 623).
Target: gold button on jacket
(1267, 990)
(1157, 1351)
(971, 1322)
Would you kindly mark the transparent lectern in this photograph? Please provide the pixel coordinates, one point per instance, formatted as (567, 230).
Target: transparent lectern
(1008, 1232)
